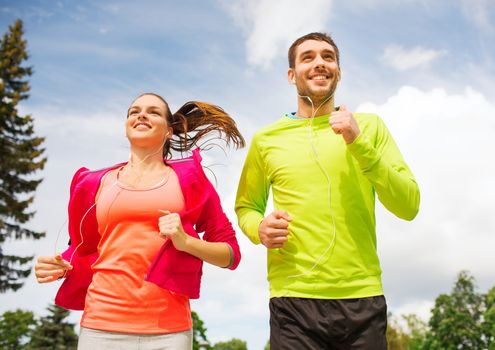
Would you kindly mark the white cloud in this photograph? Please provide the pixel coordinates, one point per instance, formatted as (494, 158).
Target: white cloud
(420, 308)
(448, 141)
(479, 12)
(403, 59)
(445, 138)
(272, 25)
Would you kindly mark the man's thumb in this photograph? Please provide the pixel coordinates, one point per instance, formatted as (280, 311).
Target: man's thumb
(342, 108)
(282, 214)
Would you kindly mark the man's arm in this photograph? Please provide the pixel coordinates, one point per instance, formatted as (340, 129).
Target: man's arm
(384, 166)
(252, 193)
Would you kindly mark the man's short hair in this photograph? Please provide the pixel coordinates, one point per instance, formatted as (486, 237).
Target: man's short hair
(311, 36)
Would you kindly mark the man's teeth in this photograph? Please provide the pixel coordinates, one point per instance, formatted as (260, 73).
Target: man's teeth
(319, 77)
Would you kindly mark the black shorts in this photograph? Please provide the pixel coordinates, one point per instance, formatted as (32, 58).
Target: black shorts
(319, 324)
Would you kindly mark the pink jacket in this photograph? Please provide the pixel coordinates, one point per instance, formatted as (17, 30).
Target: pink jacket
(171, 269)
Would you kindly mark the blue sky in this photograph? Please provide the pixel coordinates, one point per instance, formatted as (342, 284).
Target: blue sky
(426, 67)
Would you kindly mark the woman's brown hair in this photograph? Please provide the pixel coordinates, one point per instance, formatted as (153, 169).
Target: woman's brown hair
(196, 120)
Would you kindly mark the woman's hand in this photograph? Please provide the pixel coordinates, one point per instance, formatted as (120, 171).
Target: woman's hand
(51, 268)
(171, 227)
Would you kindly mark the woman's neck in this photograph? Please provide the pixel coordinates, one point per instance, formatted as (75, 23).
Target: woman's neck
(146, 159)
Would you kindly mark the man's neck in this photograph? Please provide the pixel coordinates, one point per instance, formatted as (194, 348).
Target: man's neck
(307, 110)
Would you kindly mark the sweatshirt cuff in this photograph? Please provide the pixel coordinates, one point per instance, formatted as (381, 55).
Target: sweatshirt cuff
(252, 229)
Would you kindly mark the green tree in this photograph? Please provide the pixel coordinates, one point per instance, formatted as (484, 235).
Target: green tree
(199, 333)
(417, 330)
(267, 346)
(21, 157)
(456, 321)
(396, 338)
(15, 329)
(233, 344)
(53, 332)
(489, 319)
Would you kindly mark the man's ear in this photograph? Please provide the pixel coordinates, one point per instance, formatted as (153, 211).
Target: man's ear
(291, 76)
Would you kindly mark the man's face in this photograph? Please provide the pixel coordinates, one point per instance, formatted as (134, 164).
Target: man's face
(316, 71)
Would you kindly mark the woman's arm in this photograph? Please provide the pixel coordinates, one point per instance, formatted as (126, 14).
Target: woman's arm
(216, 253)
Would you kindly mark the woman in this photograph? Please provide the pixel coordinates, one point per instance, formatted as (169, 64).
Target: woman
(135, 257)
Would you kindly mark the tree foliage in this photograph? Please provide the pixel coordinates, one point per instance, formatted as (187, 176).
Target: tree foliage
(461, 320)
(199, 333)
(489, 319)
(53, 332)
(408, 337)
(233, 344)
(15, 329)
(21, 156)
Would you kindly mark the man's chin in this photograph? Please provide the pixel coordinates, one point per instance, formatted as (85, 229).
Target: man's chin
(317, 95)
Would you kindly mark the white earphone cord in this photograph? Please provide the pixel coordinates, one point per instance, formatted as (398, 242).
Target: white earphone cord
(93, 205)
(310, 134)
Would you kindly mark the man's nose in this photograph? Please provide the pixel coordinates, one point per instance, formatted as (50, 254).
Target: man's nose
(319, 61)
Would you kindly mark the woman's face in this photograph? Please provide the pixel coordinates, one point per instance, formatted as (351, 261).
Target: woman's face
(146, 124)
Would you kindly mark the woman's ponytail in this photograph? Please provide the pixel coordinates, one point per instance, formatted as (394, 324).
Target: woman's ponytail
(197, 120)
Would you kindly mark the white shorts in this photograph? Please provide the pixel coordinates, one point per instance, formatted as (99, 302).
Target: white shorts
(92, 339)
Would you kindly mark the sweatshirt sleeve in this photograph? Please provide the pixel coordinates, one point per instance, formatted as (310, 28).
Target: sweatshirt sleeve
(252, 192)
(384, 166)
(216, 226)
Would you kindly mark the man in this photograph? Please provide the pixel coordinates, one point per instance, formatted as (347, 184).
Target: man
(324, 165)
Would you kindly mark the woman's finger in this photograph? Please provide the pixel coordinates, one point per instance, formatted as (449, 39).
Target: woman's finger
(45, 273)
(48, 279)
(51, 267)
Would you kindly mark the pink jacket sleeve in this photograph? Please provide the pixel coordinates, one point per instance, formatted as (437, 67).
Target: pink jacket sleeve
(216, 226)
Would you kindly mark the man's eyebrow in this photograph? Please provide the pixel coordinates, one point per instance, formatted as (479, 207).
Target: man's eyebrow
(306, 52)
(326, 51)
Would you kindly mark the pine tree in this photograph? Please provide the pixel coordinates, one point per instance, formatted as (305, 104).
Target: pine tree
(53, 333)
(15, 329)
(20, 157)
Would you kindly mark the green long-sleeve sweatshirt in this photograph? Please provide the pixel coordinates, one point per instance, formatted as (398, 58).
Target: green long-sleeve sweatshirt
(328, 188)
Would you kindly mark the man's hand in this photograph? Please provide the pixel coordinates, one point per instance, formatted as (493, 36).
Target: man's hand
(273, 230)
(343, 123)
